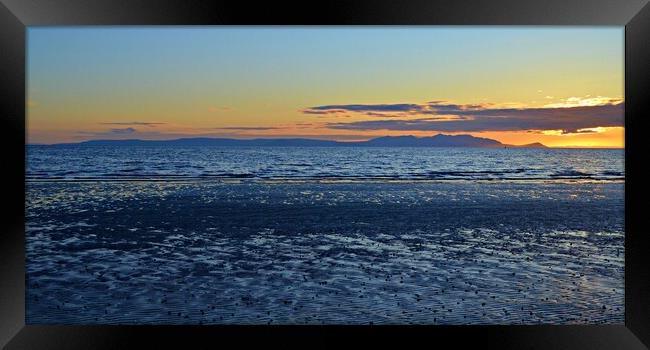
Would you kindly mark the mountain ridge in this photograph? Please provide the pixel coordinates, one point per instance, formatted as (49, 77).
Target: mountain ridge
(440, 140)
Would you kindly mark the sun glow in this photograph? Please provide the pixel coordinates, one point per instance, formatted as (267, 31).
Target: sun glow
(584, 102)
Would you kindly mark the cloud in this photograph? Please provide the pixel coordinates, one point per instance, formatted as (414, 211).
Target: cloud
(213, 109)
(110, 132)
(400, 107)
(121, 134)
(583, 101)
(316, 111)
(135, 123)
(432, 107)
(122, 131)
(245, 128)
(574, 115)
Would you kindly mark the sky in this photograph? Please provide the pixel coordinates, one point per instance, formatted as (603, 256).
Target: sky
(561, 86)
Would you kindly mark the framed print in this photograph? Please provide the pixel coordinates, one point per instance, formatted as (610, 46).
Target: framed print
(467, 173)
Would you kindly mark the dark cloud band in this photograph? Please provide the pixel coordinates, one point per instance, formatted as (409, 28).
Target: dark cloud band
(474, 118)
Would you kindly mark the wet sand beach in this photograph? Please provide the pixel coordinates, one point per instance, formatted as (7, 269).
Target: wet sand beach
(310, 253)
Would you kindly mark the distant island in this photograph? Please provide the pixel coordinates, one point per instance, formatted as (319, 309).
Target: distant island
(440, 140)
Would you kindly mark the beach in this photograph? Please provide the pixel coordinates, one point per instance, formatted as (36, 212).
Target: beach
(381, 252)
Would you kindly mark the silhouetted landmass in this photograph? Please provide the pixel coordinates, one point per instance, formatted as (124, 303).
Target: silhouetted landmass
(439, 140)
(433, 141)
(530, 145)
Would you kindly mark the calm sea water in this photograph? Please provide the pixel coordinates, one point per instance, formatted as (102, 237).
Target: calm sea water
(372, 235)
(123, 162)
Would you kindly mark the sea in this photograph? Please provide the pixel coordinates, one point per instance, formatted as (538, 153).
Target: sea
(320, 163)
(324, 235)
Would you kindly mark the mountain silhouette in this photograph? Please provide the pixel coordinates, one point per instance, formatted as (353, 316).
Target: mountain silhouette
(440, 140)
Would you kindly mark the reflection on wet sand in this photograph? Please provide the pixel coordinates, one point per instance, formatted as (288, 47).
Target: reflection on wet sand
(386, 253)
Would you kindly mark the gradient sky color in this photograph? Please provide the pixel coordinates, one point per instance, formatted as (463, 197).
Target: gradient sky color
(243, 82)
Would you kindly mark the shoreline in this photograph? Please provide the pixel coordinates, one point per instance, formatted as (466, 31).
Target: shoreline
(325, 180)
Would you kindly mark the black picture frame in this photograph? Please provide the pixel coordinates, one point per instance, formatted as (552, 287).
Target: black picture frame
(16, 15)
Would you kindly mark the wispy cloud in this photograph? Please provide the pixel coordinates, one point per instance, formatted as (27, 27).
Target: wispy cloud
(213, 109)
(583, 101)
(110, 132)
(131, 133)
(134, 123)
(247, 128)
(122, 131)
(391, 110)
(573, 115)
(399, 107)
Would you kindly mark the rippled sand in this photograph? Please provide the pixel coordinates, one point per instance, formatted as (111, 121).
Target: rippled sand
(306, 253)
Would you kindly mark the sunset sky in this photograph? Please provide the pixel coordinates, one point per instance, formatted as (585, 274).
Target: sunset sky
(561, 86)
